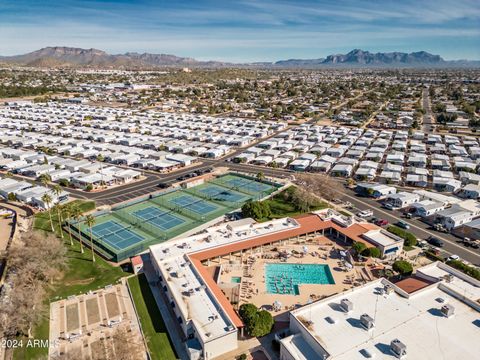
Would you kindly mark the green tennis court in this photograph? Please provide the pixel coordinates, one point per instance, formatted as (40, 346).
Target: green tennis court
(130, 228)
(116, 235)
(219, 193)
(200, 206)
(163, 219)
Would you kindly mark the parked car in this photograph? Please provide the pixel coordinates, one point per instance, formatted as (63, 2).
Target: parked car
(388, 206)
(163, 185)
(365, 213)
(432, 240)
(440, 227)
(471, 242)
(453, 257)
(381, 222)
(403, 225)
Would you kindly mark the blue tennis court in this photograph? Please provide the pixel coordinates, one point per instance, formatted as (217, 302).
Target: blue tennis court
(115, 235)
(248, 184)
(218, 193)
(192, 203)
(161, 219)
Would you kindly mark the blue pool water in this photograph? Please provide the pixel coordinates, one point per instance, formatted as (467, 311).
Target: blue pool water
(285, 278)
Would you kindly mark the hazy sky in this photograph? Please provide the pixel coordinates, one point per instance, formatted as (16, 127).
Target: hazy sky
(244, 30)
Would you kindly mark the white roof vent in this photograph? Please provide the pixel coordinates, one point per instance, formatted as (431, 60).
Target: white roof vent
(367, 322)
(398, 349)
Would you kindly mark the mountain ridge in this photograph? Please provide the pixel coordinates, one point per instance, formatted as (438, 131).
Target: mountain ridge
(71, 57)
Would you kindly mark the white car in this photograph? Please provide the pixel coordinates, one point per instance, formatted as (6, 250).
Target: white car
(365, 213)
(453, 257)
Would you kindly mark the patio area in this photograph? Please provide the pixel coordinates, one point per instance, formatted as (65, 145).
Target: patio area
(242, 277)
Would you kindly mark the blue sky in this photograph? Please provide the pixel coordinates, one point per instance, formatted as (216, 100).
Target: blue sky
(244, 30)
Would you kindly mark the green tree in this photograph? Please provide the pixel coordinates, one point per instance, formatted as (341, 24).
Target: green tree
(67, 210)
(372, 252)
(76, 215)
(402, 267)
(90, 221)
(359, 247)
(256, 210)
(47, 199)
(12, 197)
(57, 190)
(258, 323)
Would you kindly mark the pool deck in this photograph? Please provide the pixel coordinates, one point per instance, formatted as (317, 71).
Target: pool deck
(252, 288)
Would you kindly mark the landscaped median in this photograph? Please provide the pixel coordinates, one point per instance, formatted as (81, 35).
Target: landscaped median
(153, 327)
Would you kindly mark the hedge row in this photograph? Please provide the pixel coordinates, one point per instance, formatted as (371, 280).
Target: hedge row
(410, 239)
(469, 270)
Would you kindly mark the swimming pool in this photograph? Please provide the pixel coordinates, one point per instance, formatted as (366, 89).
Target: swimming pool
(236, 279)
(285, 278)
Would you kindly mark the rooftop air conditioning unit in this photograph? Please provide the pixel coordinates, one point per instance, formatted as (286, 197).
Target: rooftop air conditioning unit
(367, 322)
(398, 349)
(448, 278)
(388, 289)
(346, 305)
(448, 310)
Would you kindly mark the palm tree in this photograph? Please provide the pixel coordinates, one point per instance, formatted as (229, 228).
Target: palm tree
(67, 208)
(76, 215)
(90, 221)
(47, 199)
(57, 190)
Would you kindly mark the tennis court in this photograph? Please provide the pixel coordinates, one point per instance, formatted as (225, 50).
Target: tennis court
(221, 194)
(247, 184)
(194, 204)
(162, 219)
(129, 228)
(115, 235)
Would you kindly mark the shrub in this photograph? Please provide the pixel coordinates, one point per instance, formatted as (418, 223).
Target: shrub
(359, 247)
(257, 323)
(410, 239)
(256, 210)
(371, 252)
(402, 267)
(469, 270)
(64, 182)
(89, 187)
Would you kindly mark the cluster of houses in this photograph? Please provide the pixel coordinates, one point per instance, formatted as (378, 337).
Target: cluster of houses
(85, 145)
(458, 214)
(446, 163)
(28, 193)
(79, 173)
(195, 135)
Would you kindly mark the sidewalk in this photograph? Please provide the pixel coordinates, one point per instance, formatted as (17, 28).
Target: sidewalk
(171, 324)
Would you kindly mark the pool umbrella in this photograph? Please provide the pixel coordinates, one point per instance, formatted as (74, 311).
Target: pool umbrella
(277, 305)
(305, 249)
(342, 253)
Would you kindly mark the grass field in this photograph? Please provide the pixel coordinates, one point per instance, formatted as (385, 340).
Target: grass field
(153, 327)
(281, 206)
(81, 276)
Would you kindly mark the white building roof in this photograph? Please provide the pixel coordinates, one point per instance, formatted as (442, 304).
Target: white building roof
(415, 319)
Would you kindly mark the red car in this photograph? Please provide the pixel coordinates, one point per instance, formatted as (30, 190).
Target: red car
(381, 222)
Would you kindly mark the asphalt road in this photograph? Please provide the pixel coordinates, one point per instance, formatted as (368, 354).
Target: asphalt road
(421, 230)
(427, 117)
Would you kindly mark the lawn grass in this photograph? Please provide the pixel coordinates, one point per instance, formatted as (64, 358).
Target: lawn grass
(81, 276)
(153, 327)
(281, 206)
